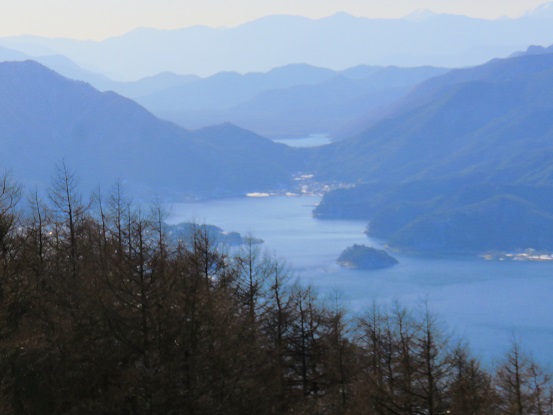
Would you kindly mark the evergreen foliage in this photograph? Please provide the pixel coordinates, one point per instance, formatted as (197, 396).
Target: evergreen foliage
(363, 257)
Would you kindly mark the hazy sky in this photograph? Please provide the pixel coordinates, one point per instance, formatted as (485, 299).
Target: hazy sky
(98, 19)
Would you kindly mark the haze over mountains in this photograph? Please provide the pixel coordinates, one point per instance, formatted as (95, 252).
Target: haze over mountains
(286, 99)
(45, 118)
(263, 44)
(294, 100)
(68, 68)
(466, 150)
(291, 101)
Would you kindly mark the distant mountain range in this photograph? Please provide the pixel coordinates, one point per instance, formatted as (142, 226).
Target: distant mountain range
(294, 100)
(337, 42)
(291, 101)
(46, 118)
(461, 164)
(69, 69)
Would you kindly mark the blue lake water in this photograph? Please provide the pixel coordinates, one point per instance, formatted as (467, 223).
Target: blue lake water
(313, 140)
(489, 303)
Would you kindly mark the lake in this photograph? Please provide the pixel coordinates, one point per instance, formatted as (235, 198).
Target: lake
(312, 140)
(489, 303)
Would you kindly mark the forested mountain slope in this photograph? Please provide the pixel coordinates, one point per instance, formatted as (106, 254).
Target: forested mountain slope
(491, 122)
(489, 127)
(45, 118)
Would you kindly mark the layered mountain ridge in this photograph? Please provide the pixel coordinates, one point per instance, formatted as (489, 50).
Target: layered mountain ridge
(45, 118)
(273, 41)
(461, 164)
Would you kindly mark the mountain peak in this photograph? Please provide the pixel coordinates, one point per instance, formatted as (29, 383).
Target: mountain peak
(533, 50)
(28, 66)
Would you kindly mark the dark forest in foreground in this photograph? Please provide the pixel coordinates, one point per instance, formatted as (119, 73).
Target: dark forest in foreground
(100, 313)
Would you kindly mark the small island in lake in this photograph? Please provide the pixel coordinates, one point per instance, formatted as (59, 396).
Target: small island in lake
(363, 257)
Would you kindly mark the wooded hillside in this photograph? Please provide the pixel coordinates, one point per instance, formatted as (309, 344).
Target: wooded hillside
(101, 314)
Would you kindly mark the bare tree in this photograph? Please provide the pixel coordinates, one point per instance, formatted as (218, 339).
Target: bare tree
(522, 386)
(10, 195)
(68, 205)
(470, 390)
